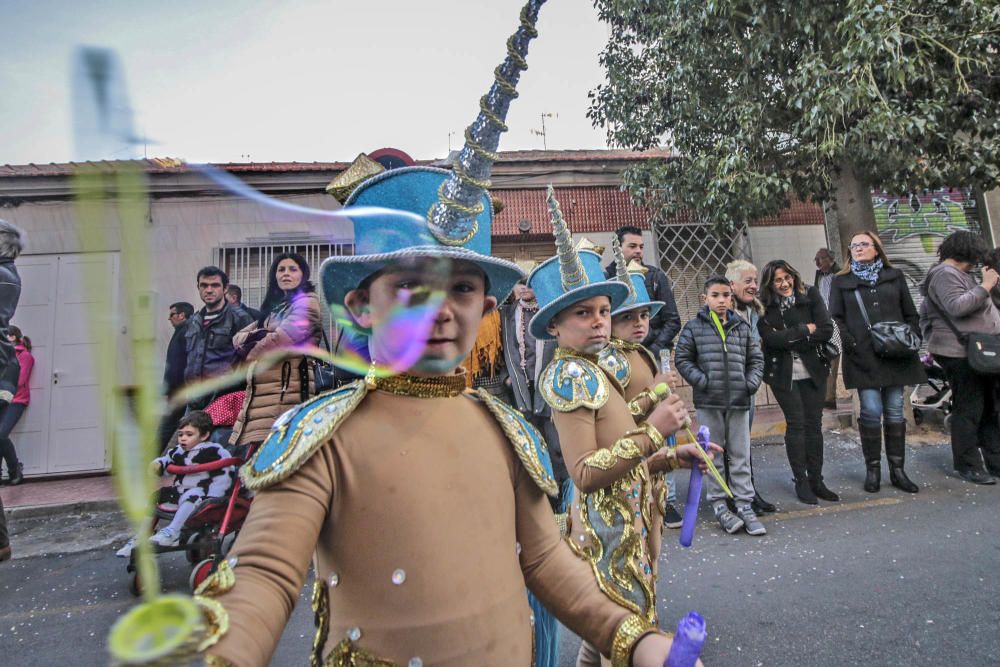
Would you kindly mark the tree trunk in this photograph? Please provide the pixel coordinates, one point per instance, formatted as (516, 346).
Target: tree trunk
(852, 209)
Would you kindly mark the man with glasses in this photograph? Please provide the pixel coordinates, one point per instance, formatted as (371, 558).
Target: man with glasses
(173, 370)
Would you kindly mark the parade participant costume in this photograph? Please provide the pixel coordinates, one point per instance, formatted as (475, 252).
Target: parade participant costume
(379, 483)
(611, 527)
(634, 366)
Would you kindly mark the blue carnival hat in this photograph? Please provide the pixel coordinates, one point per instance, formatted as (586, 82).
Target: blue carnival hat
(635, 277)
(454, 204)
(571, 276)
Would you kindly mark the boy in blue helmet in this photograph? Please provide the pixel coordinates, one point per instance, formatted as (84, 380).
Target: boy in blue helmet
(378, 484)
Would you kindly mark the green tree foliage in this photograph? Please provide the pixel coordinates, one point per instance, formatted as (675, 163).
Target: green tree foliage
(766, 98)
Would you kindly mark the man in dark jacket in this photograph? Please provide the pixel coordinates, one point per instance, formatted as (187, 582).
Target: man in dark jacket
(720, 357)
(525, 358)
(173, 371)
(665, 326)
(826, 269)
(234, 295)
(209, 335)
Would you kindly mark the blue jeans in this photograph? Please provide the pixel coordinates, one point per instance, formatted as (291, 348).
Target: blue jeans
(876, 402)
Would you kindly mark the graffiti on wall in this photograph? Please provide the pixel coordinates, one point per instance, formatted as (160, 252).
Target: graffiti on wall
(912, 227)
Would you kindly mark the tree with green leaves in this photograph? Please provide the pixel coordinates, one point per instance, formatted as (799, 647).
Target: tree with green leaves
(764, 99)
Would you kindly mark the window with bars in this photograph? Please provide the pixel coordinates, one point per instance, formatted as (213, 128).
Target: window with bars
(691, 252)
(247, 265)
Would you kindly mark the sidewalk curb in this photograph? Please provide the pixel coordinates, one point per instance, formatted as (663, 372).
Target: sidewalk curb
(53, 509)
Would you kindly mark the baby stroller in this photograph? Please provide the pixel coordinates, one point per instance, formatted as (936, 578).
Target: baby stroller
(204, 535)
(934, 396)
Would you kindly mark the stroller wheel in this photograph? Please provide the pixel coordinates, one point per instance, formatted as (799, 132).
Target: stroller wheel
(947, 424)
(135, 584)
(918, 416)
(201, 572)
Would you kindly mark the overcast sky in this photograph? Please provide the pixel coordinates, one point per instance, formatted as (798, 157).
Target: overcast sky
(298, 80)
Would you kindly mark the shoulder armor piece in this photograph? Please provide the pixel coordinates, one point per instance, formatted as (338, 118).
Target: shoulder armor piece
(527, 441)
(614, 360)
(572, 382)
(296, 435)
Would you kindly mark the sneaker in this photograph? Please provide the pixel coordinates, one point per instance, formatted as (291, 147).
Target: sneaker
(976, 477)
(126, 550)
(751, 523)
(167, 537)
(671, 518)
(729, 521)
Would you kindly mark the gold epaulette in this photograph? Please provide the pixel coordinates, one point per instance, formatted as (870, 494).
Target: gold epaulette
(614, 360)
(299, 433)
(570, 382)
(529, 445)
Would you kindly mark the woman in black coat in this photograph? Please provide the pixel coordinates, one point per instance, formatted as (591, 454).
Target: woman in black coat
(879, 380)
(794, 327)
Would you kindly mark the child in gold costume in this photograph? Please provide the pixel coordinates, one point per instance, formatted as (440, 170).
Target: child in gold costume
(609, 457)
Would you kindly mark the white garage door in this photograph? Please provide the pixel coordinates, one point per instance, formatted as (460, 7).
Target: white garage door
(63, 429)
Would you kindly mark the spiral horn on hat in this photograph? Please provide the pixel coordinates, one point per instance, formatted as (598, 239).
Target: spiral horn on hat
(452, 219)
(621, 270)
(570, 267)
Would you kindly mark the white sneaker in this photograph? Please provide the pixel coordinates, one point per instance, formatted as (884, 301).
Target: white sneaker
(166, 538)
(126, 550)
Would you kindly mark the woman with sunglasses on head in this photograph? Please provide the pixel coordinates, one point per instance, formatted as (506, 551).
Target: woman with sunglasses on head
(870, 279)
(793, 328)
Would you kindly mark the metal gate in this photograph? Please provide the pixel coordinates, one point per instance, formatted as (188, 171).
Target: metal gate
(691, 252)
(247, 265)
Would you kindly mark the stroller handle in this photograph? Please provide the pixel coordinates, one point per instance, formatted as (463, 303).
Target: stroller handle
(204, 467)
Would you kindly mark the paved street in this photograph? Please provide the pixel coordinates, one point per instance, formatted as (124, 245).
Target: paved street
(886, 579)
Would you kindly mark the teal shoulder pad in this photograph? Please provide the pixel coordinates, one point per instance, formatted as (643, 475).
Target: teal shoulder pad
(569, 383)
(298, 434)
(614, 360)
(529, 445)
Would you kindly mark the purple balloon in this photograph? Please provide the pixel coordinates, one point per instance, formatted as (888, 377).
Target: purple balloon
(688, 641)
(694, 494)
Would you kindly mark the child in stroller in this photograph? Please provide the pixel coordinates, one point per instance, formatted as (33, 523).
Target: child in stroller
(193, 449)
(216, 510)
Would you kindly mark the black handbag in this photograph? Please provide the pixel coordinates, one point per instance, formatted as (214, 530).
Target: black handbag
(890, 340)
(323, 371)
(982, 350)
(829, 350)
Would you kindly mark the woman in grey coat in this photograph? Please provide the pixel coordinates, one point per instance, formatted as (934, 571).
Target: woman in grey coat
(952, 294)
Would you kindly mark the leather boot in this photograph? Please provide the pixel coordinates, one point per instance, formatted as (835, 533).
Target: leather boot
(759, 505)
(17, 476)
(804, 490)
(895, 453)
(871, 448)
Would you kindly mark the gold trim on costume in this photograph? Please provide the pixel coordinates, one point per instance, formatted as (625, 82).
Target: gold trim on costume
(346, 654)
(630, 630)
(617, 552)
(216, 661)
(444, 386)
(650, 431)
(606, 459)
(636, 408)
(219, 582)
(321, 619)
(216, 621)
